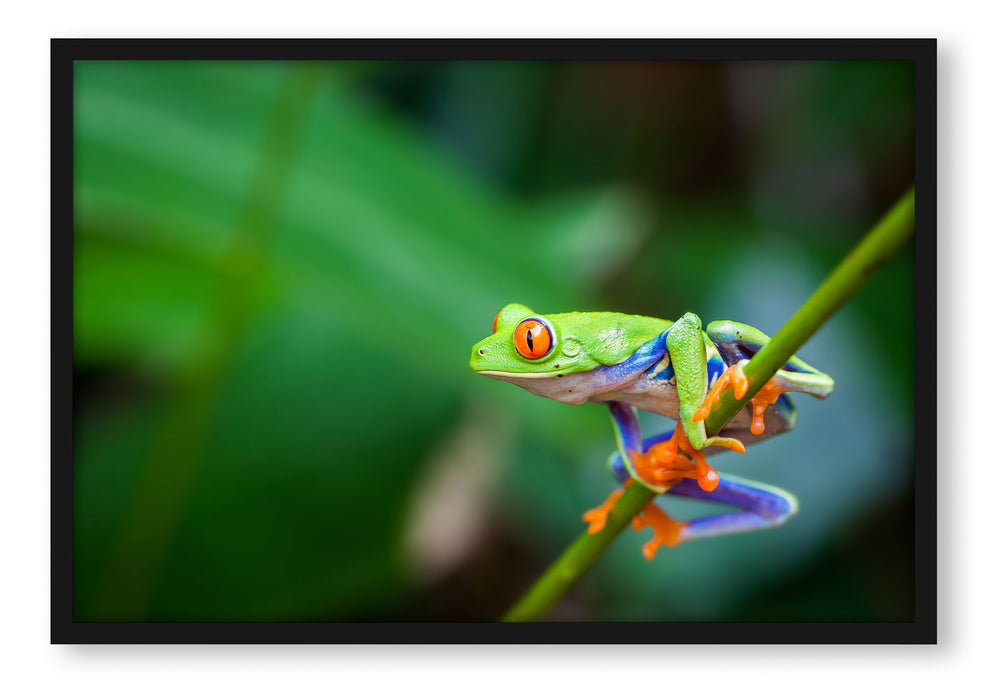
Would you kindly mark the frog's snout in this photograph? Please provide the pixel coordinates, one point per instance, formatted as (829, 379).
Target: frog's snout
(477, 356)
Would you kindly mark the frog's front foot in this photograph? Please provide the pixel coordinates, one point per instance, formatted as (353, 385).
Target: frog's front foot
(734, 375)
(767, 395)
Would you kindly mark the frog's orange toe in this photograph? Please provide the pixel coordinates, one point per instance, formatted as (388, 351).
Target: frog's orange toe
(707, 479)
(767, 395)
(596, 517)
(740, 384)
(733, 375)
(664, 452)
(706, 406)
(666, 530)
(662, 465)
(700, 469)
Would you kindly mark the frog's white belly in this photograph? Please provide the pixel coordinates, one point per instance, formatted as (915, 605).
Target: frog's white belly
(647, 395)
(574, 389)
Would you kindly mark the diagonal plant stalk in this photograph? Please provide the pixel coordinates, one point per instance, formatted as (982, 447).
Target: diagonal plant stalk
(886, 237)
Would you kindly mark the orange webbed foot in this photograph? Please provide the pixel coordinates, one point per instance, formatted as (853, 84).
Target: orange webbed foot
(733, 375)
(666, 530)
(766, 396)
(596, 517)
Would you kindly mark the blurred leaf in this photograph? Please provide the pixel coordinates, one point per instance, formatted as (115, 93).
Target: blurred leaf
(129, 304)
(385, 265)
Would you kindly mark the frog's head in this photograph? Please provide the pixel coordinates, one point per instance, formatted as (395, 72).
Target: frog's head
(525, 343)
(545, 354)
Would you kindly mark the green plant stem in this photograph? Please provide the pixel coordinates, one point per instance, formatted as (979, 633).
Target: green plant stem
(886, 237)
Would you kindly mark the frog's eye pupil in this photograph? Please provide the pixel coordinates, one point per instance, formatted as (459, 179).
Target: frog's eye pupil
(533, 338)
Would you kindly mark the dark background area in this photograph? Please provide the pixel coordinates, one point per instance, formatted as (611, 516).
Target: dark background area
(280, 269)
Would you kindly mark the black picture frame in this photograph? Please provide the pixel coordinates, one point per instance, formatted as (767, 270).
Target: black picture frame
(65, 630)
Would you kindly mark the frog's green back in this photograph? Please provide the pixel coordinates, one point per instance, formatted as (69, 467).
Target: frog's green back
(609, 337)
(582, 341)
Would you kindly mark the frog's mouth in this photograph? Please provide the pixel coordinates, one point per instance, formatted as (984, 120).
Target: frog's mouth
(518, 375)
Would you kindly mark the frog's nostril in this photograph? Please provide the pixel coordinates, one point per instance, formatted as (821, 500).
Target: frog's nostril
(481, 351)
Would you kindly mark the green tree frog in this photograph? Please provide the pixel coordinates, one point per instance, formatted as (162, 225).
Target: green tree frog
(672, 368)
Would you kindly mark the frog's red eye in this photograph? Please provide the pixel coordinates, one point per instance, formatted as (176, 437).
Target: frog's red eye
(495, 322)
(533, 338)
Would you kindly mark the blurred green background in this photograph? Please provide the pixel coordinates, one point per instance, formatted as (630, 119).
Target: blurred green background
(280, 269)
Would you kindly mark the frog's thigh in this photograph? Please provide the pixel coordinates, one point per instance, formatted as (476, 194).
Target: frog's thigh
(818, 385)
(730, 332)
(732, 336)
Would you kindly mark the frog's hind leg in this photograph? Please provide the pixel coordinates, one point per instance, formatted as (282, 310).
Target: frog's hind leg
(737, 343)
(631, 442)
(761, 506)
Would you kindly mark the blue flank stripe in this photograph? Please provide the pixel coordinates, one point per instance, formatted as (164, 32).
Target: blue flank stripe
(647, 356)
(664, 375)
(716, 367)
